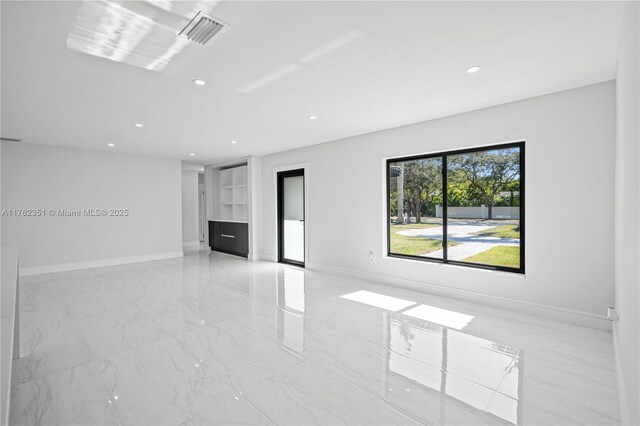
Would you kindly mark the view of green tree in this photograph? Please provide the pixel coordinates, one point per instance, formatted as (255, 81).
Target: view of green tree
(422, 184)
(482, 176)
(482, 188)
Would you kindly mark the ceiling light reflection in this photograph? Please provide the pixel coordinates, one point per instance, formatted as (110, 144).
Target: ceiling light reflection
(159, 63)
(108, 30)
(270, 78)
(331, 46)
(139, 33)
(306, 59)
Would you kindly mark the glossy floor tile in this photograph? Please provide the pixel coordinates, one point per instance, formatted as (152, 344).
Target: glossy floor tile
(214, 339)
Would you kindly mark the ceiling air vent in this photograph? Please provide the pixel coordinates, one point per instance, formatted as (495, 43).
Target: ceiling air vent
(202, 28)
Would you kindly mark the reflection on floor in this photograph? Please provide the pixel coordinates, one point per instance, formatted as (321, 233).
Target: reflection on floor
(214, 339)
(427, 365)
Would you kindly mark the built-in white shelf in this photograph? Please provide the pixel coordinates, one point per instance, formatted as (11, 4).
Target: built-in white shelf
(230, 189)
(231, 194)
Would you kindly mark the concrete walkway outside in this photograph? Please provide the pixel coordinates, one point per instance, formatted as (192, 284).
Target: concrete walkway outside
(470, 245)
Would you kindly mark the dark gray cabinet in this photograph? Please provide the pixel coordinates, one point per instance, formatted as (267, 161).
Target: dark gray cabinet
(229, 237)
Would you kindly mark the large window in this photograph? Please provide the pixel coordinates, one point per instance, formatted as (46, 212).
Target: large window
(462, 207)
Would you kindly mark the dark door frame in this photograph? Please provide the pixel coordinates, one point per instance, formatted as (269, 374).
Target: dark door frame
(280, 197)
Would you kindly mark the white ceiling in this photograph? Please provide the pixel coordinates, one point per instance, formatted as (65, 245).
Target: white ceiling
(358, 66)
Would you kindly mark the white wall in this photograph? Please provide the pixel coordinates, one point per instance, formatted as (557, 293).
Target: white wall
(47, 177)
(627, 206)
(190, 226)
(569, 165)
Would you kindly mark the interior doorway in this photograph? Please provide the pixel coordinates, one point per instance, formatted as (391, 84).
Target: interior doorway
(291, 217)
(201, 212)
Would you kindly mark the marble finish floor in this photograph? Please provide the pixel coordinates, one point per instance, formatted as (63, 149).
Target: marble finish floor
(213, 339)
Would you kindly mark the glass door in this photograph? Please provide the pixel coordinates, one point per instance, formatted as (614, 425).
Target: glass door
(291, 217)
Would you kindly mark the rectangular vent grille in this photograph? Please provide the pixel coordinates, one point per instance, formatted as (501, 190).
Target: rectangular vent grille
(202, 28)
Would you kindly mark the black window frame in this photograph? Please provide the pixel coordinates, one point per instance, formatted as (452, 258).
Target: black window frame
(443, 155)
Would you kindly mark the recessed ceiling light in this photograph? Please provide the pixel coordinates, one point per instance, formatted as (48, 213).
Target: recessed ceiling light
(192, 154)
(473, 69)
(110, 145)
(234, 142)
(313, 117)
(139, 125)
(199, 82)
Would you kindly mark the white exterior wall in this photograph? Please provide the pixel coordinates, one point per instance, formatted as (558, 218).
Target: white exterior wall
(480, 212)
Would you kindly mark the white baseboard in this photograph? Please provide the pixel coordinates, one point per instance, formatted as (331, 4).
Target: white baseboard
(622, 393)
(37, 270)
(266, 257)
(254, 257)
(586, 319)
(191, 244)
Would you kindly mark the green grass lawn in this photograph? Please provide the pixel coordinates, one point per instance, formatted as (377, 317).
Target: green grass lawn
(416, 246)
(503, 231)
(498, 256)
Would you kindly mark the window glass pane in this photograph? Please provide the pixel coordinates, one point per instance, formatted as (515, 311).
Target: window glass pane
(483, 207)
(415, 200)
